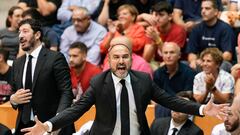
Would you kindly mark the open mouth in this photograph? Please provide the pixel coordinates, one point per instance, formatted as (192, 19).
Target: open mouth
(121, 67)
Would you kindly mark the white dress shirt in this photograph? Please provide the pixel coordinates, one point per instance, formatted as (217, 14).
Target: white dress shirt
(34, 54)
(170, 130)
(134, 125)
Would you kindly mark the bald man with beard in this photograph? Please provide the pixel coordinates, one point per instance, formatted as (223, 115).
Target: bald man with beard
(121, 97)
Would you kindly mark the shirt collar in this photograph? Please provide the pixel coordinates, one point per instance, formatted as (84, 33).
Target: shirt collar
(35, 52)
(179, 70)
(177, 127)
(116, 80)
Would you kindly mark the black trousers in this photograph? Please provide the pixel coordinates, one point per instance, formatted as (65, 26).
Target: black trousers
(22, 125)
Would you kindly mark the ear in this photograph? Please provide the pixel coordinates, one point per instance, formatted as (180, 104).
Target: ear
(84, 56)
(37, 35)
(9, 18)
(170, 17)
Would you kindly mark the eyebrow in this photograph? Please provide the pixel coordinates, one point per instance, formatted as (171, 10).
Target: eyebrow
(111, 46)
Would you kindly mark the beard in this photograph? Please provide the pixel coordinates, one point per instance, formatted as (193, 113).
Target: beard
(233, 127)
(30, 45)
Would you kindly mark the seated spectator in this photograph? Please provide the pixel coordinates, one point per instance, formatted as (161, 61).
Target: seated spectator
(80, 69)
(107, 9)
(173, 77)
(187, 13)
(178, 124)
(126, 25)
(9, 35)
(85, 30)
(161, 29)
(212, 81)
(50, 37)
(5, 77)
(211, 32)
(231, 125)
(66, 9)
(47, 8)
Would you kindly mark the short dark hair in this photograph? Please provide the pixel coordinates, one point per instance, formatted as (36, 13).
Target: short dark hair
(80, 45)
(162, 6)
(34, 14)
(186, 94)
(10, 13)
(214, 4)
(5, 54)
(35, 25)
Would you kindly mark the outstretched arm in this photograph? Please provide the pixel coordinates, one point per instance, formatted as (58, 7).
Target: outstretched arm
(215, 110)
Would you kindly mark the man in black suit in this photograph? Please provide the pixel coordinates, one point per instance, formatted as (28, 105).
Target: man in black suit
(121, 97)
(178, 124)
(41, 79)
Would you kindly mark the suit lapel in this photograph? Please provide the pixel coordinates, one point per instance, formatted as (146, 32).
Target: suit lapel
(21, 67)
(185, 128)
(136, 88)
(165, 130)
(40, 61)
(109, 86)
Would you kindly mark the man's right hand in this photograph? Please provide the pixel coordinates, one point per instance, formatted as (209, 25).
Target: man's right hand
(38, 129)
(22, 96)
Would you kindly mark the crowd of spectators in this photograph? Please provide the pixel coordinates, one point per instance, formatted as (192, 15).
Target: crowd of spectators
(184, 45)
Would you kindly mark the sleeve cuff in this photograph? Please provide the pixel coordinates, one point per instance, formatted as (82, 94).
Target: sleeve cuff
(50, 126)
(13, 103)
(201, 110)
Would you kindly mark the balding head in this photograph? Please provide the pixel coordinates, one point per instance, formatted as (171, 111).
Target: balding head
(173, 45)
(122, 40)
(119, 57)
(171, 53)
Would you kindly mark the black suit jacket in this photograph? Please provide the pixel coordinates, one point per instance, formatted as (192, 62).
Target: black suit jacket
(51, 89)
(101, 93)
(161, 126)
(5, 130)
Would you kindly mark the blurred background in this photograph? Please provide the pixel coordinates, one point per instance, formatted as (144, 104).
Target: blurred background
(4, 7)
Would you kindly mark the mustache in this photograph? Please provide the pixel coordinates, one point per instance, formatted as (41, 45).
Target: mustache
(21, 39)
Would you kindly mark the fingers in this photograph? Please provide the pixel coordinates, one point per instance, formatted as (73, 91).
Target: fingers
(26, 129)
(36, 120)
(22, 96)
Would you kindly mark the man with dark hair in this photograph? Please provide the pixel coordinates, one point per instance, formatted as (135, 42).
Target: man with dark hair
(211, 32)
(41, 80)
(161, 29)
(5, 77)
(178, 123)
(81, 70)
(50, 37)
(187, 13)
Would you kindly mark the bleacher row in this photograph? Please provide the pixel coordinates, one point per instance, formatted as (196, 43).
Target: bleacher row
(8, 118)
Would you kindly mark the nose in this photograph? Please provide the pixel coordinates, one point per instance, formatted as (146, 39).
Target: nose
(20, 35)
(121, 60)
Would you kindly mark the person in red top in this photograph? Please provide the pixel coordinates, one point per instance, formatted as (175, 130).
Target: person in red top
(126, 25)
(81, 70)
(161, 28)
